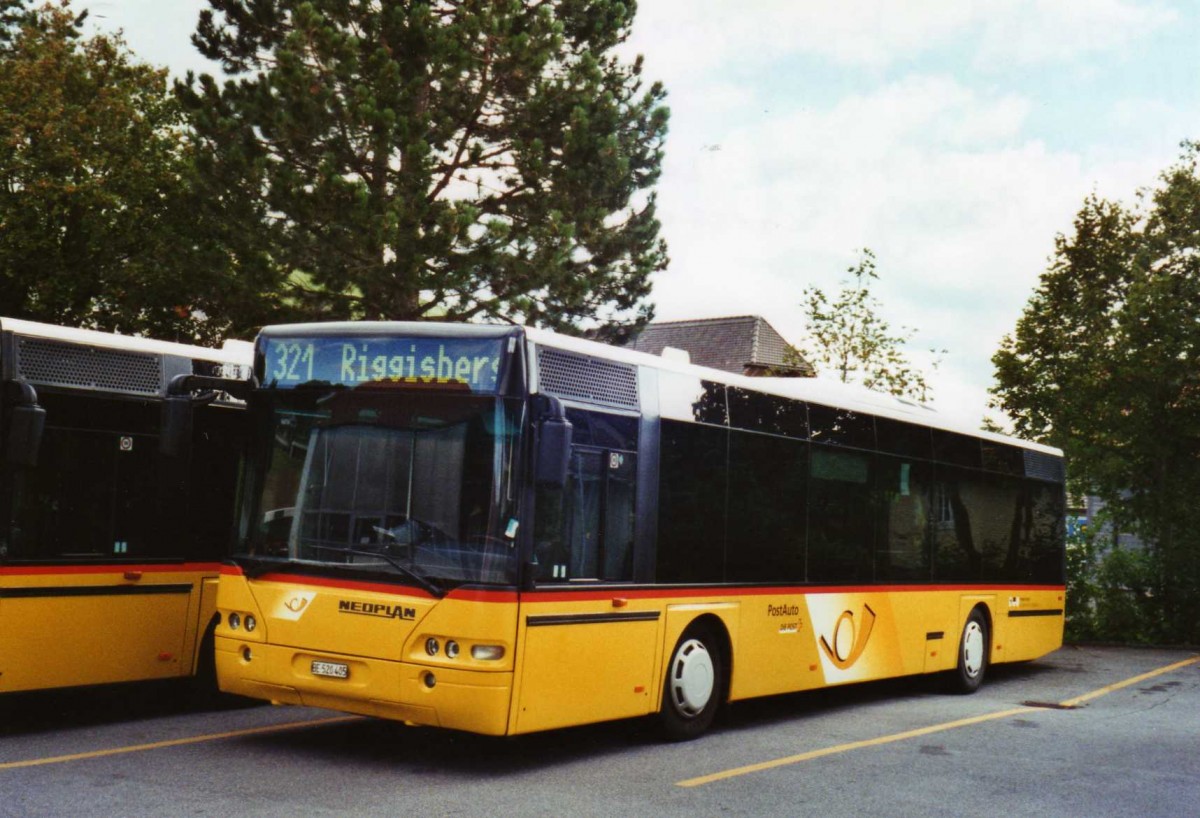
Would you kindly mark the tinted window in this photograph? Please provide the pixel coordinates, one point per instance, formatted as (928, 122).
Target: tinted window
(766, 508)
(219, 438)
(100, 490)
(585, 530)
(603, 430)
(955, 449)
(1003, 458)
(907, 439)
(841, 427)
(905, 523)
(757, 412)
(691, 502)
(977, 521)
(1042, 552)
(840, 522)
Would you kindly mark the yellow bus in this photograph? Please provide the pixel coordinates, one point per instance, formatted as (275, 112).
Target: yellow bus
(109, 551)
(504, 530)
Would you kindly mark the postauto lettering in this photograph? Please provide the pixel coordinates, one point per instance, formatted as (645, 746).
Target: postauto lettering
(353, 361)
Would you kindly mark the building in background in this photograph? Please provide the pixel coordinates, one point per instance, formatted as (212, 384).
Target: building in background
(743, 344)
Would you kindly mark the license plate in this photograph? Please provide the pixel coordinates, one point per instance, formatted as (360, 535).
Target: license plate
(335, 670)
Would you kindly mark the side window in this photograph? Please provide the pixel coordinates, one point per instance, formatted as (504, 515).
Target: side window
(691, 502)
(585, 530)
(216, 456)
(100, 491)
(767, 508)
(840, 525)
(905, 519)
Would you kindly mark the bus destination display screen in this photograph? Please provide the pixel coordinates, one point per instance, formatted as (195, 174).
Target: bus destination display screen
(471, 362)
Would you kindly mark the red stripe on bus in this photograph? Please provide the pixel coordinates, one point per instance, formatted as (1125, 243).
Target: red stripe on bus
(759, 590)
(111, 568)
(346, 585)
(608, 592)
(468, 594)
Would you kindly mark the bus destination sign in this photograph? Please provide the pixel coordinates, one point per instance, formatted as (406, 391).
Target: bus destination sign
(352, 361)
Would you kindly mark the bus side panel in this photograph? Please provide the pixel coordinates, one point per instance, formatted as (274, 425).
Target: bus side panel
(586, 661)
(60, 630)
(1033, 624)
(775, 651)
(860, 636)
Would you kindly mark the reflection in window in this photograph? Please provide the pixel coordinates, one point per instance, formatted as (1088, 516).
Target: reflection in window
(102, 492)
(770, 414)
(691, 503)
(905, 519)
(841, 427)
(585, 530)
(767, 491)
(415, 480)
(840, 527)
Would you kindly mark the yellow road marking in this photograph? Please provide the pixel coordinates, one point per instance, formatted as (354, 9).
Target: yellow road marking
(1095, 694)
(157, 745)
(922, 731)
(844, 748)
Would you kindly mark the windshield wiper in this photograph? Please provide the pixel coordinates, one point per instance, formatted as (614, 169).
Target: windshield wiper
(424, 582)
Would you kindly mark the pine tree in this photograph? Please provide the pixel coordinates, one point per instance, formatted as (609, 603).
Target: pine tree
(452, 160)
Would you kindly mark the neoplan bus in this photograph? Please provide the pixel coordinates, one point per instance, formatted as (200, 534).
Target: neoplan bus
(502, 530)
(109, 551)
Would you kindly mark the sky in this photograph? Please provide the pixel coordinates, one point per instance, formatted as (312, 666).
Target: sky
(954, 138)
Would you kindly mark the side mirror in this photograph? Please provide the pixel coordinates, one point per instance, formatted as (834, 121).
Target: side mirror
(26, 423)
(175, 437)
(176, 434)
(554, 435)
(554, 451)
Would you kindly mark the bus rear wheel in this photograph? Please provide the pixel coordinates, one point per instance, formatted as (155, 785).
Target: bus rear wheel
(694, 685)
(972, 653)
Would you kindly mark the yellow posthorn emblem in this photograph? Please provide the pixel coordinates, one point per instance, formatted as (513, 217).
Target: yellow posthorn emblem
(296, 604)
(850, 643)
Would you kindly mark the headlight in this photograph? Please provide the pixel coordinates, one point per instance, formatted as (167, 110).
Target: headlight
(451, 649)
(431, 646)
(487, 652)
(235, 621)
(251, 623)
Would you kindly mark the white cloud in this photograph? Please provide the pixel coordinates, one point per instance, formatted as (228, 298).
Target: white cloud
(935, 177)
(715, 34)
(1038, 31)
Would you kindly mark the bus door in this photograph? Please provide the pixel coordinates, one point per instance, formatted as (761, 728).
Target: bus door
(89, 595)
(589, 643)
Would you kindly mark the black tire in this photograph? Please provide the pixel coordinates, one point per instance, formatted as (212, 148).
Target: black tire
(694, 686)
(973, 647)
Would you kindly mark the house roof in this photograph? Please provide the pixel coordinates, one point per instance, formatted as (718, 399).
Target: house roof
(731, 344)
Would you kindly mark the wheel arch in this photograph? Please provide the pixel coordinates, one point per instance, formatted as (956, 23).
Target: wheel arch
(719, 621)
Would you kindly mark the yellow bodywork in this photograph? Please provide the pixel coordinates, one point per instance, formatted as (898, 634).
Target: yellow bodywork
(574, 657)
(62, 628)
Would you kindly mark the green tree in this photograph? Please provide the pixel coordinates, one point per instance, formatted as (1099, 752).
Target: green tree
(847, 336)
(98, 224)
(1105, 362)
(458, 160)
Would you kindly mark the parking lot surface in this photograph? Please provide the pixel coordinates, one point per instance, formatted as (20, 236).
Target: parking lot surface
(1083, 732)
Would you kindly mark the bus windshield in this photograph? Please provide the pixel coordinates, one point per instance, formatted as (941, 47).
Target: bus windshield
(386, 478)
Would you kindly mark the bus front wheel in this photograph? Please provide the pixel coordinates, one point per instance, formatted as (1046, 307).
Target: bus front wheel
(972, 653)
(694, 685)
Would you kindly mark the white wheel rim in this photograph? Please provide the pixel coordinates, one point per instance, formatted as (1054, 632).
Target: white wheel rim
(692, 678)
(973, 649)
